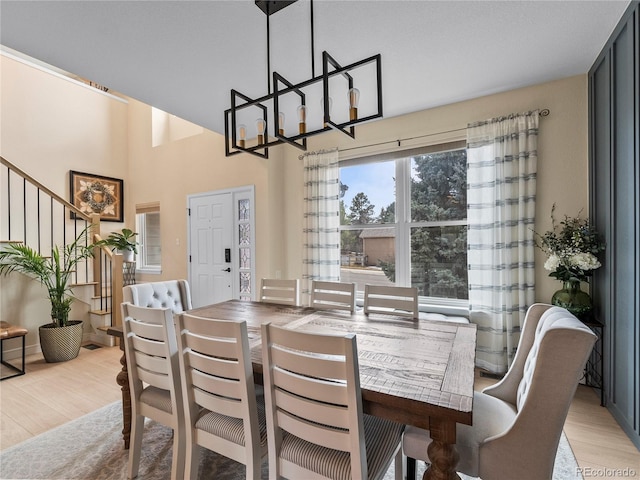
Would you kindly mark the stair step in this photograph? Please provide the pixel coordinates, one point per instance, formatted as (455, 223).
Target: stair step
(83, 284)
(100, 312)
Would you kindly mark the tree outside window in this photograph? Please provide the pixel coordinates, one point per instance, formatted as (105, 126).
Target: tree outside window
(428, 247)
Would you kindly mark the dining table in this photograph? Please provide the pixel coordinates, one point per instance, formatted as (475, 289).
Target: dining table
(414, 372)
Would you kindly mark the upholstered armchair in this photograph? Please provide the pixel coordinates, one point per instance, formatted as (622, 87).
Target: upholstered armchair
(517, 423)
(173, 294)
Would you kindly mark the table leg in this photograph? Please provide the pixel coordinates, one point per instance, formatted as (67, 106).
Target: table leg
(442, 451)
(123, 380)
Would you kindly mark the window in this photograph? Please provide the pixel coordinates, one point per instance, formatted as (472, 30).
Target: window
(149, 258)
(167, 128)
(404, 221)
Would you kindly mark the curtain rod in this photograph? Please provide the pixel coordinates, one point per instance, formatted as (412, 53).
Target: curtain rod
(544, 112)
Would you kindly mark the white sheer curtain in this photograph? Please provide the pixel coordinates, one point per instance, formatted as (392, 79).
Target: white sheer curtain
(501, 178)
(321, 252)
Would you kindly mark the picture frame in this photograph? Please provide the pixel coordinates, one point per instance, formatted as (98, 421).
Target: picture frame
(92, 193)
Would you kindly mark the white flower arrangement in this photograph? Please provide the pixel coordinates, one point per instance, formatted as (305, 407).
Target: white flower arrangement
(572, 246)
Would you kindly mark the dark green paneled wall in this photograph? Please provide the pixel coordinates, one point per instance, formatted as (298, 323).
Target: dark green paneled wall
(614, 134)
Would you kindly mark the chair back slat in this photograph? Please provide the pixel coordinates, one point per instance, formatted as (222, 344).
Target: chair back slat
(150, 362)
(210, 381)
(283, 292)
(231, 407)
(328, 414)
(212, 347)
(333, 296)
(402, 301)
(317, 389)
(330, 366)
(314, 433)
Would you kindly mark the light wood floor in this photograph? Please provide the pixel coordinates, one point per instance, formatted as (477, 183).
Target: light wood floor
(52, 394)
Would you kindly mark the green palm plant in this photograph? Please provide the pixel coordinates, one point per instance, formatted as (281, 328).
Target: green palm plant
(54, 272)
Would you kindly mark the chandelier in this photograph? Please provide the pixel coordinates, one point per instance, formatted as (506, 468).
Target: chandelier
(252, 125)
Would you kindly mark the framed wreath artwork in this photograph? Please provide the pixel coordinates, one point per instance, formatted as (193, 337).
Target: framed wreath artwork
(96, 194)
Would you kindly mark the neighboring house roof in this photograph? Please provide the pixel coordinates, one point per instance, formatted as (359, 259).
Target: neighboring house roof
(382, 232)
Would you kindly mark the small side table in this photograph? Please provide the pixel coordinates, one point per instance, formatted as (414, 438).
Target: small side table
(129, 273)
(594, 369)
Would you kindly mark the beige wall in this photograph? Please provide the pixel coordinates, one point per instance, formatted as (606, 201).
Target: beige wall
(51, 126)
(562, 154)
(172, 171)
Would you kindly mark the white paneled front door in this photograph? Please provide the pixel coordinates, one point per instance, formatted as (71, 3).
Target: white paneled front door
(221, 246)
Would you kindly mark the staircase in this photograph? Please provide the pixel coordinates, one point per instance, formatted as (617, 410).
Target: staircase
(32, 214)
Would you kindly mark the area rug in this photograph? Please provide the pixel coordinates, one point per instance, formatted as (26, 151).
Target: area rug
(91, 448)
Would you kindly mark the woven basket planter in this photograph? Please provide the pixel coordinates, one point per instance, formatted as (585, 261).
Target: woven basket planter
(60, 344)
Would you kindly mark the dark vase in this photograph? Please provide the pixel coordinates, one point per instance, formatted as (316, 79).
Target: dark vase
(573, 299)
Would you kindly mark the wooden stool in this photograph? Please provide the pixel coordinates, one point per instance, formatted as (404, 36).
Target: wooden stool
(8, 331)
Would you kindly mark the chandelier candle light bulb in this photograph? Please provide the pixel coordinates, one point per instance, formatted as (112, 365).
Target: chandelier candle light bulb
(260, 127)
(302, 119)
(354, 98)
(281, 123)
(242, 133)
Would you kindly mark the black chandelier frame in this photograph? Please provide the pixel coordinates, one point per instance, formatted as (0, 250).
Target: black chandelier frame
(281, 87)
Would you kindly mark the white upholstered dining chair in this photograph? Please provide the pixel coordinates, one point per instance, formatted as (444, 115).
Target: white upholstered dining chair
(283, 292)
(333, 296)
(316, 427)
(402, 301)
(517, 423)
(173, 294)
(221, 410)
(152, 362)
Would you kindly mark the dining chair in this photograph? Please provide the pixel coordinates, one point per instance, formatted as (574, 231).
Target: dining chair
(316, 427)
(152, 363)
(174, 294)
(284, 292)
(517, 422)
(402, 301)
(221, 410)
(333, 296)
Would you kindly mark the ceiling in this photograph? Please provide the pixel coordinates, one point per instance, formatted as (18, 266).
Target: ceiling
(184, 57)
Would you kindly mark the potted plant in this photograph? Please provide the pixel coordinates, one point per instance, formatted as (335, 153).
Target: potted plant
(60, 340)
(572, 248)
(123, 242)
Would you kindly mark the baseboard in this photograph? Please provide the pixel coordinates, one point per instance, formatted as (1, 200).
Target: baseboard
(99, 338)
(16, 353)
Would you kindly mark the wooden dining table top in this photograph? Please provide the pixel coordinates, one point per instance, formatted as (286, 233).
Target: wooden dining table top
(411, 371)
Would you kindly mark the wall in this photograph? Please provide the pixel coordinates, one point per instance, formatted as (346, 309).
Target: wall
(51, 125)
(170, 172)
(615, 197)
(562, 154)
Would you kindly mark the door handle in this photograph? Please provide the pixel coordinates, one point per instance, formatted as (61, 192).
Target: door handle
(226, 269)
